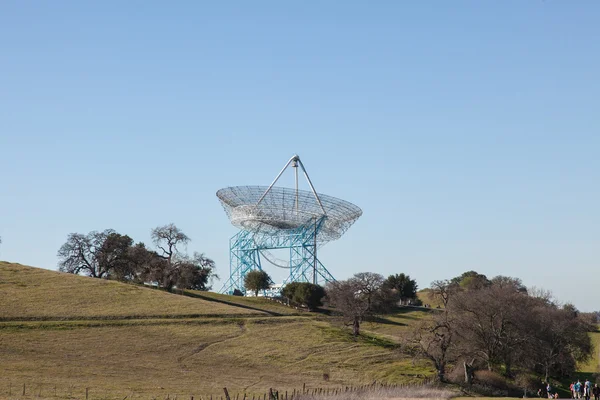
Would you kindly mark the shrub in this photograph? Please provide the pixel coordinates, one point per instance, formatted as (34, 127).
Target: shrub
(493, 380)
(304, 293)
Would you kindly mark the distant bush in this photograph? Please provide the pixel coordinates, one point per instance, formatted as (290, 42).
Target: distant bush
(493, 380)
(304, 293)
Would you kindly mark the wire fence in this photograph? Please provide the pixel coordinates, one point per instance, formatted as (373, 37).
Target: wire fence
(52, 391)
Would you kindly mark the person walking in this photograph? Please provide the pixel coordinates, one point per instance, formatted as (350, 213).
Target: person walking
(596, 392)
(577, 389)
(587, 388)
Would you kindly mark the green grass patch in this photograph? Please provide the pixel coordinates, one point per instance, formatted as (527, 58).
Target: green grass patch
(593, 364)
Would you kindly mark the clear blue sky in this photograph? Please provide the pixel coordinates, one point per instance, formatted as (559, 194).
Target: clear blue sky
(467, 131)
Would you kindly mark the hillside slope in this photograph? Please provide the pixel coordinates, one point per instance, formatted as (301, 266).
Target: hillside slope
(61, 334)
(35, 293)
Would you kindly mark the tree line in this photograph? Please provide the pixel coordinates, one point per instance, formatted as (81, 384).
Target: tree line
(364, 295)
(500, 325)
(495, 324)
(111, 255)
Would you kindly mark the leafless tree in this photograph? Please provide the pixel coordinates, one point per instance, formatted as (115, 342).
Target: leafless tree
(167, 238)
(491, 322)
(81, 254)
(176, 267)
(369, 285)
(357, 298)
(560, 341)
(443, 290)
(435, 340)
(503, 326)
(510, 282)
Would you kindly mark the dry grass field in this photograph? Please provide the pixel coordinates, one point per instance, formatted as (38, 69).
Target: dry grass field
(61, 334)
(257, 303)
(33, 293)
(394, 326)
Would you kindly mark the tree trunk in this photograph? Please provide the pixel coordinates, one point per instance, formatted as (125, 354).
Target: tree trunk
(468, 373)
(356, 326)
(441, 370)
(508, 369)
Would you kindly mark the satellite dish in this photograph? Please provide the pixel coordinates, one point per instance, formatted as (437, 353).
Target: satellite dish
(273, 217)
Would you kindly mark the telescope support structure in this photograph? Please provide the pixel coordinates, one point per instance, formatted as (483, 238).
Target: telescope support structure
(304, 266)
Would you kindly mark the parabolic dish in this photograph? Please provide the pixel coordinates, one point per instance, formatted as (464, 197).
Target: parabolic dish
(277, 212)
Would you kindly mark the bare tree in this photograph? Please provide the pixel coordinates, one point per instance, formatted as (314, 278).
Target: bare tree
(434, 339)
(175, 267)
(560, 339)
(443, 290)
(81, 254)
(491, 322)
(166, 238)
(510, 282)
(369, 285)
(500, 326)
(357, 297)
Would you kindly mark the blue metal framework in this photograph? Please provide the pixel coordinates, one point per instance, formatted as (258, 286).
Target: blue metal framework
(304, 266)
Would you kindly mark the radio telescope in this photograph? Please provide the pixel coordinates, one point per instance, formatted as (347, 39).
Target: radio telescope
(274, 218)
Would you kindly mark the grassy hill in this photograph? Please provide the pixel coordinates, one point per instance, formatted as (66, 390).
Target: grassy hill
(593, 365)
(427, 297)
(70, 333)
(33, 293)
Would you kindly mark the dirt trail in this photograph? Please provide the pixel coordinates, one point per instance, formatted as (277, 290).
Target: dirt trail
(204, 346)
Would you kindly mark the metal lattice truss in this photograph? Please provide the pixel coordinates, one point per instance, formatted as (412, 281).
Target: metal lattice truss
(271, 217)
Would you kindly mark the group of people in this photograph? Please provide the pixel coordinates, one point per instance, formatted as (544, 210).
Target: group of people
(578, 391)
(584, 390)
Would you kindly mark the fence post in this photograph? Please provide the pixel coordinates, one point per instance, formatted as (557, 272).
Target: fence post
(226, 393)
(86, 393)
